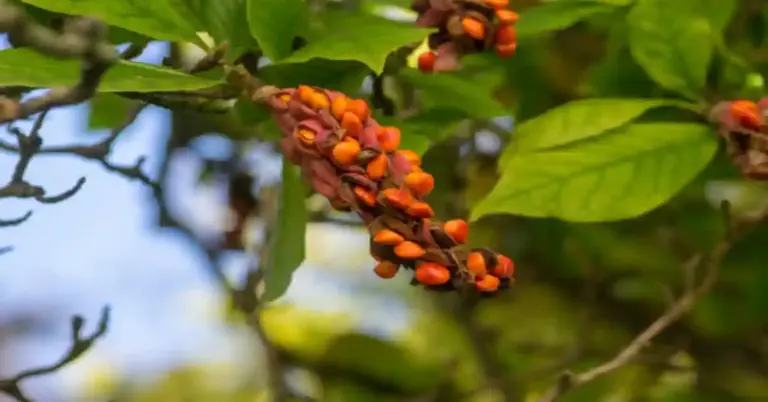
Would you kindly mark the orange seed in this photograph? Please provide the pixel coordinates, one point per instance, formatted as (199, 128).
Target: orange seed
(386, 269)
(306, 136)
(458, 229)
(409, 250)
(398, 198)
(305, 93)
(377, 168)
(410, 156)
(505, 267)
(506, 51)
(476, 263)
(367, 197)
(421, 183)
(506, 35)
(507, 17)
(420, 209)
(345, 152)
(473, 28)
(359, 108)
(351, 123)
(488, 283)
(388, 137)
(432, 274)
(319, 101)
(390, 237)
(338, 107)
(497, 4)
(427, 61)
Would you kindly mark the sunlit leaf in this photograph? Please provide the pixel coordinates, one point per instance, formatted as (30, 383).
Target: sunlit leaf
(616, 176)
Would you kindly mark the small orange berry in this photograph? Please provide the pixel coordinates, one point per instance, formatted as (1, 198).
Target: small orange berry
(488, 283)
(473, 28)
(377, 168)
(285, 97)
(305, 93)
(409, 250)
(506, 35)
(386, 269)
(360, 108)
(345, 152)
(497, 4)
(505, 267)
(420, 209)
(507, 17)
(319, 101)
(476, 263)
(410, 156)
(367, 197)
(421, 183)
(432, 274)
(306, 136)
(458, 229)
(399, 198)
(746, 113)
(388, 137)
(506, 51)
(338, 107)
(390, 237)
(351, 123)
(427, 61)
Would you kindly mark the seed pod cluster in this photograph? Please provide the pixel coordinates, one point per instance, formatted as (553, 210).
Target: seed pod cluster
(744, 126)
(464, 27)
(358, 165)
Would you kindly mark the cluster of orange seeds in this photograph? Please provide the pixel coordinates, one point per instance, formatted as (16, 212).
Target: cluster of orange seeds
(357, 164)
(465, 27)
(744, 126)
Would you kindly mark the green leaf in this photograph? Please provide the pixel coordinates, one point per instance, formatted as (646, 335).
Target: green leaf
(288, 243)
(159, 19)
(344, 76)
(617, 176)
(354, 36)
(575, 121)
(719, 13)
(26, 67)
(459, 91)
(108, 111)
(275, 23)
(556, 15)
(673, 42)
(225, 20)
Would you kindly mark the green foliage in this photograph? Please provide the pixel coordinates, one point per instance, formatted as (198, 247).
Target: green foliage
(26, 67)
(575, 121)
(108, 110)
(621, 174)
(161, 19)
(338, 35)
(661, 35)
(275, 23)
(287, 244)
(225, 20)
(555, 15)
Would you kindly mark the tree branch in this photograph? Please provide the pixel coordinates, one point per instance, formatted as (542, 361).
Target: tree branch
(711, 264)
(80, 345)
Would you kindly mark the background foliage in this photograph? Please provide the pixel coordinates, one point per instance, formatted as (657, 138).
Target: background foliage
(608, 182)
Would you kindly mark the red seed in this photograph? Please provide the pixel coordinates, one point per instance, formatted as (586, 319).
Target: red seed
(427, 61)
(432, 274)
(505, 267)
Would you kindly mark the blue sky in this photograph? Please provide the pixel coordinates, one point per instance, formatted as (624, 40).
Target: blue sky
(100, 247)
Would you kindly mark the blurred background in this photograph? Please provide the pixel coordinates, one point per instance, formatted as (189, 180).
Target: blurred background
(341, 333)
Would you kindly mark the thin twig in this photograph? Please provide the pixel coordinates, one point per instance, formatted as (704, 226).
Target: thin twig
(80, 345)
(711, 264)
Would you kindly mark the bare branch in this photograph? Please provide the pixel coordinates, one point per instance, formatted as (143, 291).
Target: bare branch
(80, 345)
(711, 265)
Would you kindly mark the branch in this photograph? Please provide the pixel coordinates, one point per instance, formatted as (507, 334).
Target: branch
(711, 264)
(80, 345)
(82, 38)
